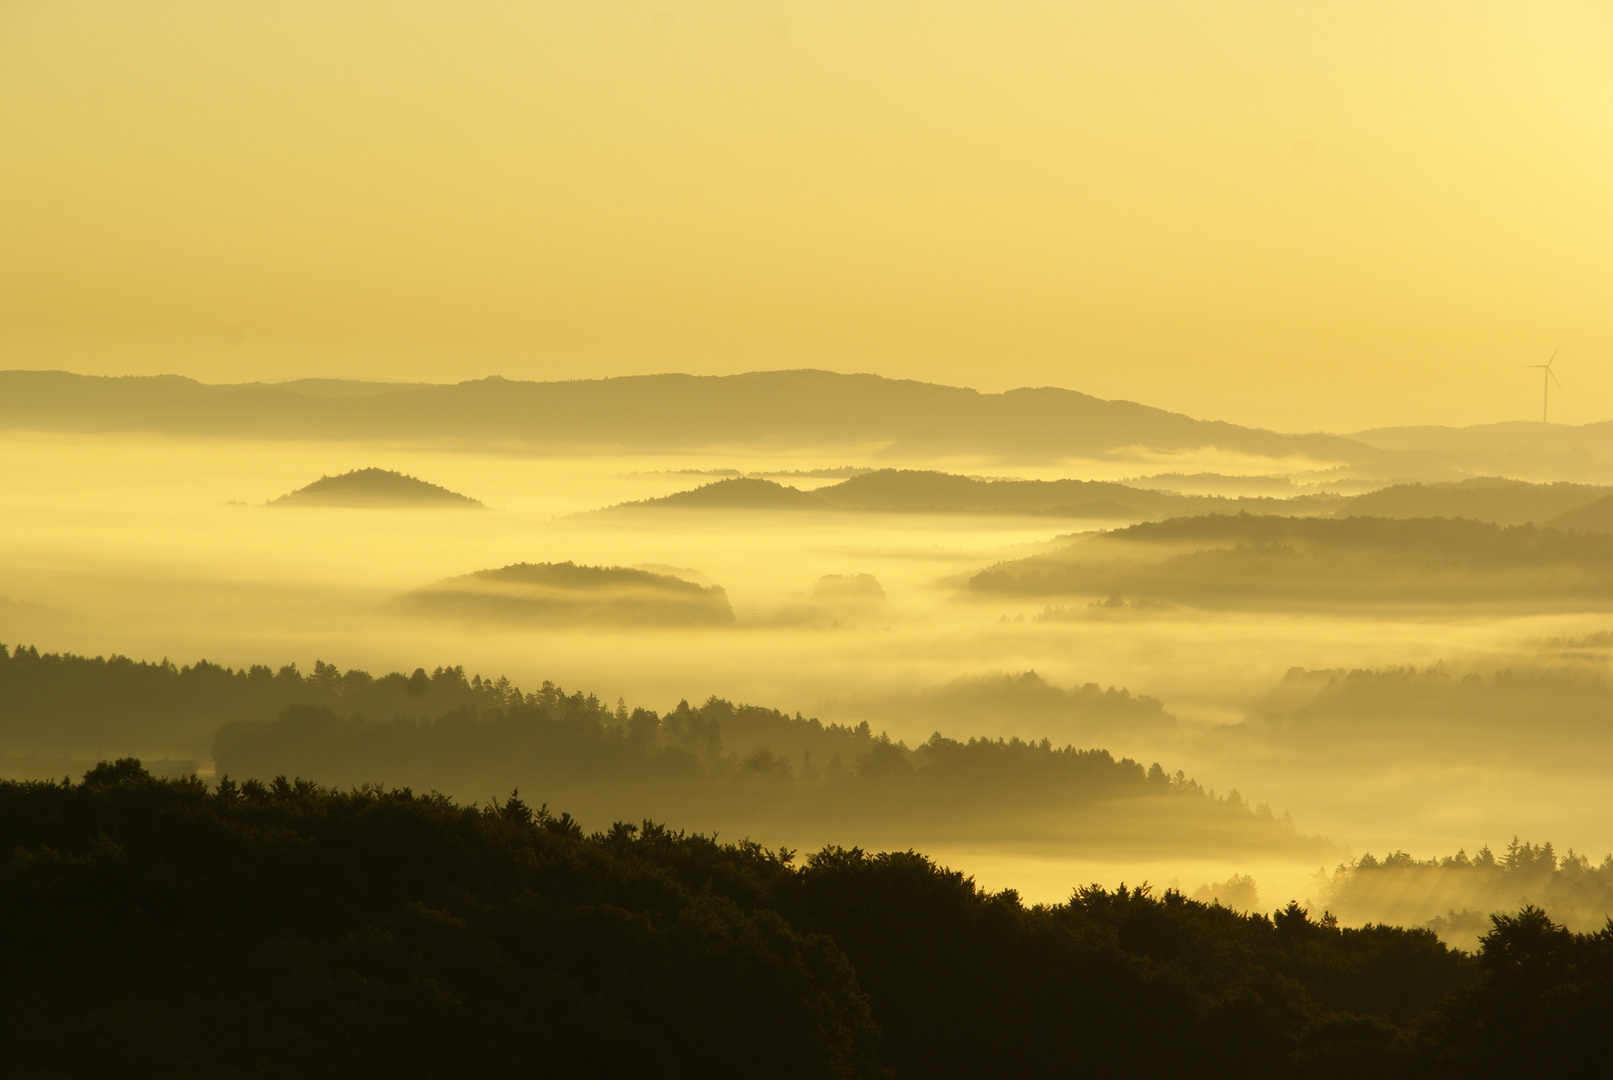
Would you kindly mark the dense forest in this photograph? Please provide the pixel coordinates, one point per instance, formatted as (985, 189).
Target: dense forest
(283, 929)
(1248, 560)
(738, 768)
(753, 770)
(56, 702)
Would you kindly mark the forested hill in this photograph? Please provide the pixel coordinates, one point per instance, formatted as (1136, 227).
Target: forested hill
(374, 488)
(649, 412)
(738, 768)
(163, 928)
(1249, 560)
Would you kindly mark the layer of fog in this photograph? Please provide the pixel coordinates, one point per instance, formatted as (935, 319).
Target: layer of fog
(158, 547)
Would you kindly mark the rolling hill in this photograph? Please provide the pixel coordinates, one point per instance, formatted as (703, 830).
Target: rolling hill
(376, 488)
(1253, 561)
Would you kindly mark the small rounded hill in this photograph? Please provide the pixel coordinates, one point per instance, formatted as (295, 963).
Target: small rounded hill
(376, 488)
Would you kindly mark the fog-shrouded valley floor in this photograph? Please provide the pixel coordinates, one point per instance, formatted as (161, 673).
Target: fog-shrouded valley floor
(1358, 662)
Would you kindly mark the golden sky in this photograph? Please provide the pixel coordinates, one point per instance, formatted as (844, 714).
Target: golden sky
(1296, 214)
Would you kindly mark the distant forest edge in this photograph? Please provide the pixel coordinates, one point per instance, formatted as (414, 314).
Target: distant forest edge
(803, 407)
(1455, 895)
(1250, 561)
(1538, 713)
(1487, 499)
(161, 927)
(375, 488)
(738, 768)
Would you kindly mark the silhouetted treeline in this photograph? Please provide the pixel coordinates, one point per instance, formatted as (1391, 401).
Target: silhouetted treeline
(1248, 559)
(161, 928)
(719, 766)
(748, 768)
(61, 702)
(1455, 895)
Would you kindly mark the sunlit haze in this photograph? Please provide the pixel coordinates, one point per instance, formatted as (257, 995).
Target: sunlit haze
(874, 540)
(1319, 216)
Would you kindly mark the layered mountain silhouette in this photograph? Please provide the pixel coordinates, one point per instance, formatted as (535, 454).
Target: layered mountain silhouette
(375, 488)
(1487, 499)
(927, 491)
(646, 412)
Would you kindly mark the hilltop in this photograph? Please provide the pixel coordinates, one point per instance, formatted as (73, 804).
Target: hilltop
(741, 493)
(375, 488)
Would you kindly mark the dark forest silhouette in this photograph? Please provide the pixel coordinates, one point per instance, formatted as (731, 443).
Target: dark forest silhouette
(271, 929)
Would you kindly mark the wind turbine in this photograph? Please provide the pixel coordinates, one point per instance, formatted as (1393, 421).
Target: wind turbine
(1547, 378)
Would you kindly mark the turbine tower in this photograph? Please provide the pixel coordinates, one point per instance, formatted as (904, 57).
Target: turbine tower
(1548, 377)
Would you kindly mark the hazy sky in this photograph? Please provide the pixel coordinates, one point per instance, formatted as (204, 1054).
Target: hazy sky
(1294, 214)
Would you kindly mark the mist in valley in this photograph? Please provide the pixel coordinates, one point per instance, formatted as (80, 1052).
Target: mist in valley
(1350, 684)
(828, 542)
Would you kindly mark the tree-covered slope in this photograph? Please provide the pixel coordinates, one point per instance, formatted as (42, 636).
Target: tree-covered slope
(154, 927)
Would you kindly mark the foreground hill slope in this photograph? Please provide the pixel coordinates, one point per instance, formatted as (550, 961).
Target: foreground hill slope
(162, 928)
(648, 412)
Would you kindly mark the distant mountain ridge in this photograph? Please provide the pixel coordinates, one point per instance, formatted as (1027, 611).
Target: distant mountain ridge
(1489, 499)
(929, 491)
(802, 407)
